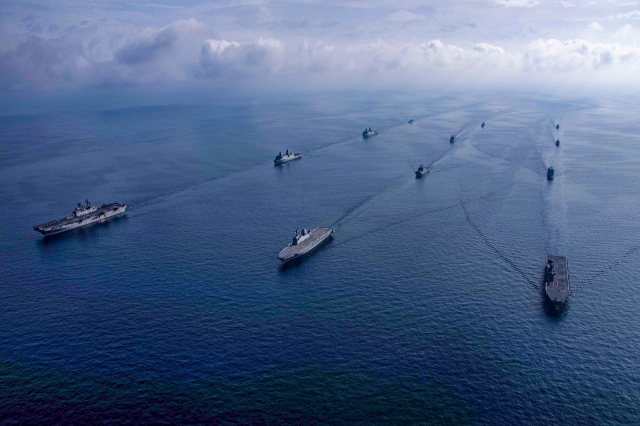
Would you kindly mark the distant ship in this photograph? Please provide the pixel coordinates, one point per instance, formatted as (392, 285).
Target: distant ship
(556, 279)
(550, 173)
(411, 121)
(421, 171)
(368, 132)
(482, 125)
(453, 139)
(82, 216)
(303, 243)
(557, 127)
(557, 142)
(286, 157)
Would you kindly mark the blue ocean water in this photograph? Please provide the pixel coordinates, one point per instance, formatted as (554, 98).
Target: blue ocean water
(426, 307)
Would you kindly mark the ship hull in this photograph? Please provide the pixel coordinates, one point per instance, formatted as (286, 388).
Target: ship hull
(102, 215)
(558, 290)
(282, 161)
(290, 254)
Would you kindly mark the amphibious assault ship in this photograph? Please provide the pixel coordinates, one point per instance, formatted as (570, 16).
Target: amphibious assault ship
(422, 170)
(368, 132)
(303, 243)
(286, 157)
(82, 216)
(556, 279)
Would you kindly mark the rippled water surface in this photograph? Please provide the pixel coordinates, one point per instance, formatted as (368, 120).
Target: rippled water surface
(426, 307)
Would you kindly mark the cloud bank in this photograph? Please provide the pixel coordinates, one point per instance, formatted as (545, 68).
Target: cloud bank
(270, 51)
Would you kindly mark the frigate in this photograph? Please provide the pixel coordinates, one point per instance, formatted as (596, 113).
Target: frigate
(368, 133)
(288, 156)
(82, 216)
(303, 243)
(556, 279)
(422, 170)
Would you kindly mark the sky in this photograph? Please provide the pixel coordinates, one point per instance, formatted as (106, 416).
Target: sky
(71, 45)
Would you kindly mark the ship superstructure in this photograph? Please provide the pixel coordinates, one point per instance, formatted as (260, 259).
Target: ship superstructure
(303, 243)
(82, 216)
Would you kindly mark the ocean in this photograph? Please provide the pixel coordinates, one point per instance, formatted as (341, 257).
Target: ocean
(426, 307)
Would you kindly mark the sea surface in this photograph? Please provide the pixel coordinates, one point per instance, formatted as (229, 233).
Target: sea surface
(426, 306)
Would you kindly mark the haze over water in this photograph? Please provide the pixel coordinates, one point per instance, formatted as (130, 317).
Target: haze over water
(426, 307)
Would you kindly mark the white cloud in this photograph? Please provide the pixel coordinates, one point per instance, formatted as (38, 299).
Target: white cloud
(631, 15)
(517, 3)
(566, 4)
(595, 26)
(223, 57)
(578, 56)
(487, 48)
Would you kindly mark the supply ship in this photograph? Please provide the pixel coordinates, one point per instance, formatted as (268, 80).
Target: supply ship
(556, 279)
(303, 243)
(82, 216)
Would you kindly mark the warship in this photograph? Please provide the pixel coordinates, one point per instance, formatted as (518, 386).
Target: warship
(368, 132)
(482, 125)
(303, 243)
(411, 121)
(288, 156)
(550, 173)
(452, 139)
(557, 142)
(82, 216)
(557, 127)
(421, 171)
(556, 279)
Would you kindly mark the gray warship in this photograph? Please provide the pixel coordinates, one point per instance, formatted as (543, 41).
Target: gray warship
(304, 242)
(550, 173)
(368, 133)
(288, 156)
(82, 216)
(556, 279)
(422, 170)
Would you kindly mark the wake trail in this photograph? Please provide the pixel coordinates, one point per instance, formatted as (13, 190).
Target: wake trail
(493, 248)
(417, 215)
(599, 273)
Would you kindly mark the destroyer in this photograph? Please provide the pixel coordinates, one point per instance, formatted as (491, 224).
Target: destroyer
(422, 170)
(550, 173)
(556, 279)
(368, 132)
(286, 157)
(82, 216)
(304, 242)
